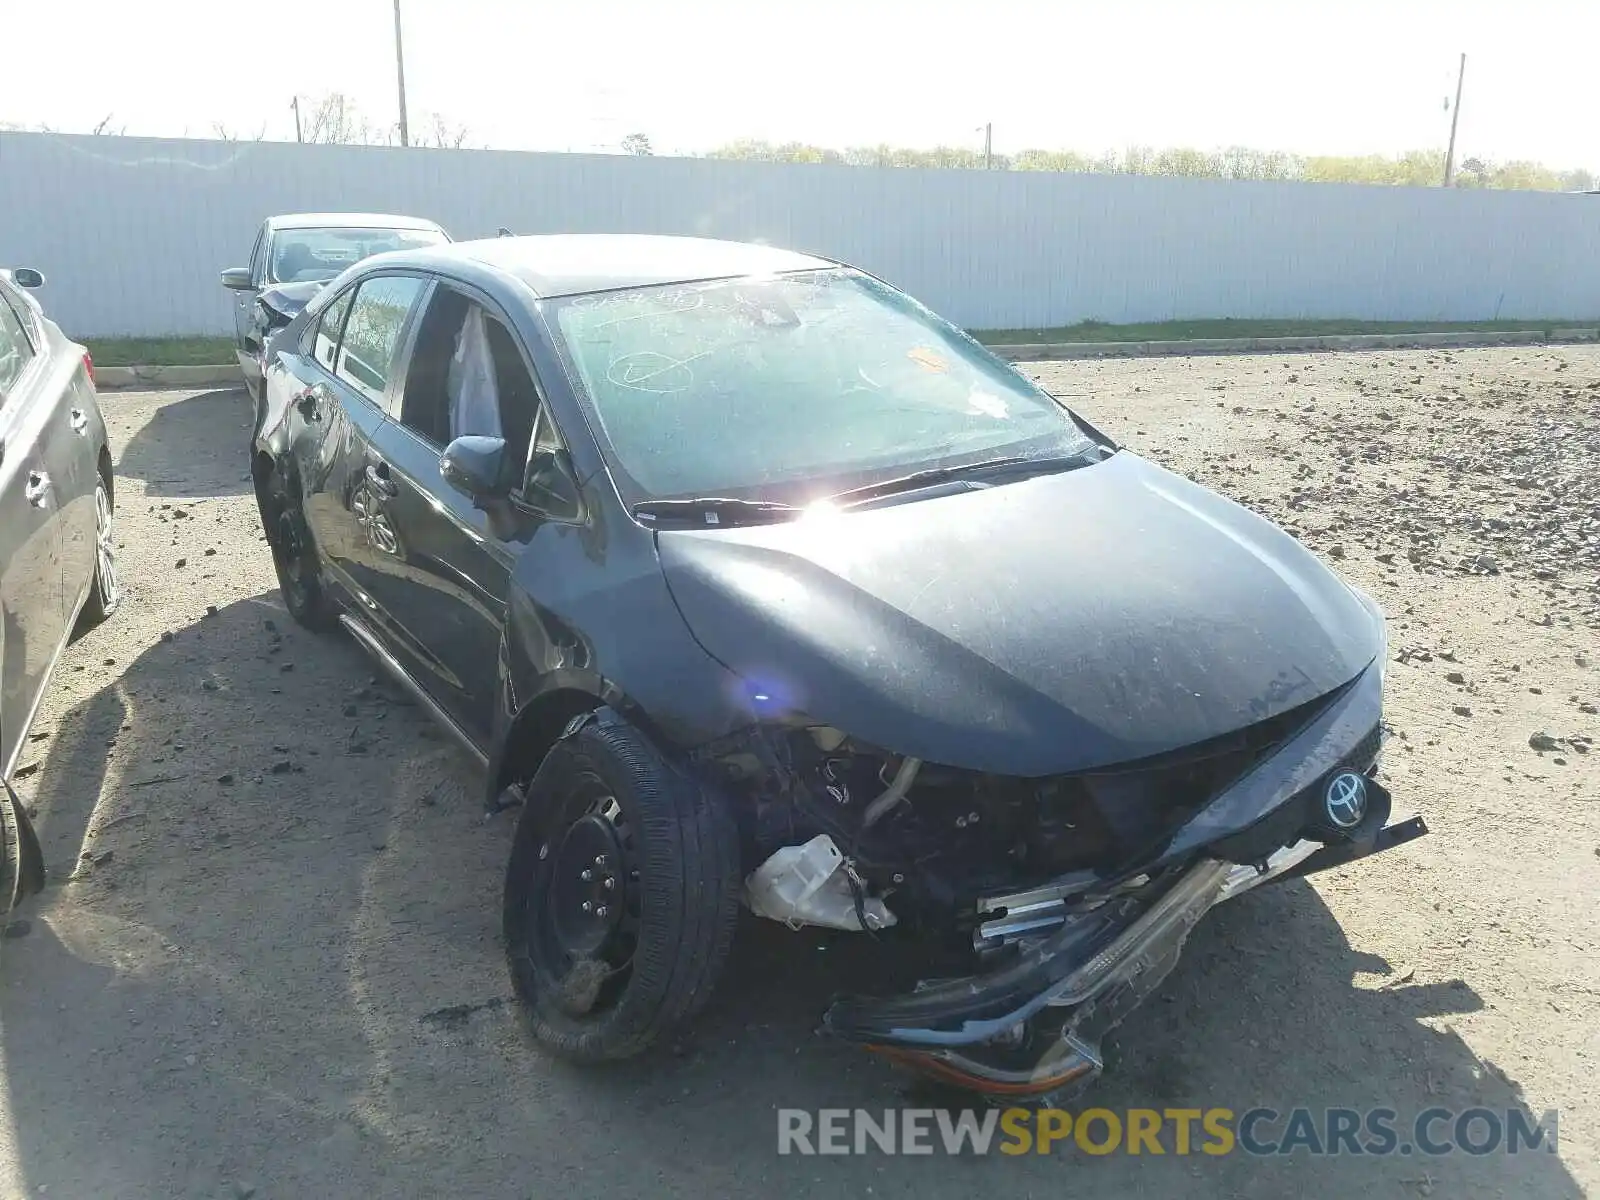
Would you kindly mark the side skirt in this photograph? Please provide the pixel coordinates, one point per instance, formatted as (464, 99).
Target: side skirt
(8, 767)
(374, 647)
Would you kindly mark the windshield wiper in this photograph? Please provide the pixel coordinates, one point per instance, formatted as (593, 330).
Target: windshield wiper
(729, 510)
(936, 475)
(716, 510)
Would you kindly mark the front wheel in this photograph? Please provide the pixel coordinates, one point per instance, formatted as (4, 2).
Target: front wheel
(621, 894)
(22, 870)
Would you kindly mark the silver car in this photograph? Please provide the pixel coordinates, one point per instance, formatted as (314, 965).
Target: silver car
(293, 256)
(58, 568)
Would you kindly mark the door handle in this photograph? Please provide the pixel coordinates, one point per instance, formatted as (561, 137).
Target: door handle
(79, 420)
(378, 477)
(37, 489)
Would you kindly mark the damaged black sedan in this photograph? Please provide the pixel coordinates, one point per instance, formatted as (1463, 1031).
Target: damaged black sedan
(753, 581)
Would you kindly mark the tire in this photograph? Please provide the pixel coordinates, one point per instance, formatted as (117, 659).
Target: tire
(10, 854)
(294, 555)
(677, 861)
(105, 591)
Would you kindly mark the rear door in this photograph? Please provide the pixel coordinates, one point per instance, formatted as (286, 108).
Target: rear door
(32, 605)
(353, 349)
(72, 438)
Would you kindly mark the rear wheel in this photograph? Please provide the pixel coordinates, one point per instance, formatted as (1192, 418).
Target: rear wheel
(621, 894)
(105, 592)
(294, 555)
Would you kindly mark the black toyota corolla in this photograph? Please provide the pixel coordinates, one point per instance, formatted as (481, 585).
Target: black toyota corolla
(752, 581)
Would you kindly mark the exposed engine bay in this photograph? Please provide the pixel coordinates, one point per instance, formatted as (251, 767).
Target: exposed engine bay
(1066, 898)
(953, 853)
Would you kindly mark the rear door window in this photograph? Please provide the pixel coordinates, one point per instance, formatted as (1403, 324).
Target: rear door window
(372, 332)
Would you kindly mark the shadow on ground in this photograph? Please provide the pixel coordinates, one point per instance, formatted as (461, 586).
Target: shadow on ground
(162, 451)
(269, 960)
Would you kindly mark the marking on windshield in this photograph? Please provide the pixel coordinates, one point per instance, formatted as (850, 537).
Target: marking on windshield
(645, 370)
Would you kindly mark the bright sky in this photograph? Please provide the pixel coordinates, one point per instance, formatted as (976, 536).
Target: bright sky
(1331, 76)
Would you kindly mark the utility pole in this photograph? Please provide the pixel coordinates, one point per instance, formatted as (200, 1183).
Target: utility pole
(295, 104)
(400, 75)
(1455, 116)
(988, 146)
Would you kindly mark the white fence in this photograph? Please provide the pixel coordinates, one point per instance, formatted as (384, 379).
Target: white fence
(131, 232)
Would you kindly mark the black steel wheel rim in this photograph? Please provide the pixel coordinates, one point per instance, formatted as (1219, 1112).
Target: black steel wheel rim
(583, 910)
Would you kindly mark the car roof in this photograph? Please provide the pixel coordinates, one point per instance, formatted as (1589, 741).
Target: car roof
(349, 220)
(571, 264)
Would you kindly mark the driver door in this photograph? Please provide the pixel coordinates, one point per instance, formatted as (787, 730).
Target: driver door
(444, 592)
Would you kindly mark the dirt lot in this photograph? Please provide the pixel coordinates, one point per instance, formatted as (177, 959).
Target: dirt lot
(268, 964)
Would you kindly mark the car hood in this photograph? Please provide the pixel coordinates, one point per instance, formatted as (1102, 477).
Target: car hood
(1051, 625)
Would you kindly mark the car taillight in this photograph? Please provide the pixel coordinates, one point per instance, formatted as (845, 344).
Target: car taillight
(88, 365)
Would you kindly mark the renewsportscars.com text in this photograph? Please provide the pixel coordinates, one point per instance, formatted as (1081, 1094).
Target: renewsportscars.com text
(1176, 1131)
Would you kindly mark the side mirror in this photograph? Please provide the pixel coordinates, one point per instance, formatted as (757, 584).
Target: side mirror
(475, 467)
(27, 277)
(552, 484)
(237, 279)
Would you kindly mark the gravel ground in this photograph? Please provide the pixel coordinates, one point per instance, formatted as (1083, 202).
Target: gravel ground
(268, 964)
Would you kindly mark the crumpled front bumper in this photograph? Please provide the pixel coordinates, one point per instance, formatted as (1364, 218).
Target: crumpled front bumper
(1034, 1025)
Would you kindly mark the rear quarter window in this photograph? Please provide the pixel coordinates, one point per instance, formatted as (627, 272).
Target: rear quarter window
(329, 325)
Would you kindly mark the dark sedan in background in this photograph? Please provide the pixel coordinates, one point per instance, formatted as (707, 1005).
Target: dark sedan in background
(57, 549)
(754, 580)
(293, 256)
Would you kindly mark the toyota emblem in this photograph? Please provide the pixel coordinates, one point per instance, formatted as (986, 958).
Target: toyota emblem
(1346, 799)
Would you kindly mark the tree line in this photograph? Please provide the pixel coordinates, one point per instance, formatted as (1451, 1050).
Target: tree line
(1416, 168)
(335, 119)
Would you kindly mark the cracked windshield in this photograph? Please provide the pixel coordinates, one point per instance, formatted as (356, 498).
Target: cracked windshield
(776, 386)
